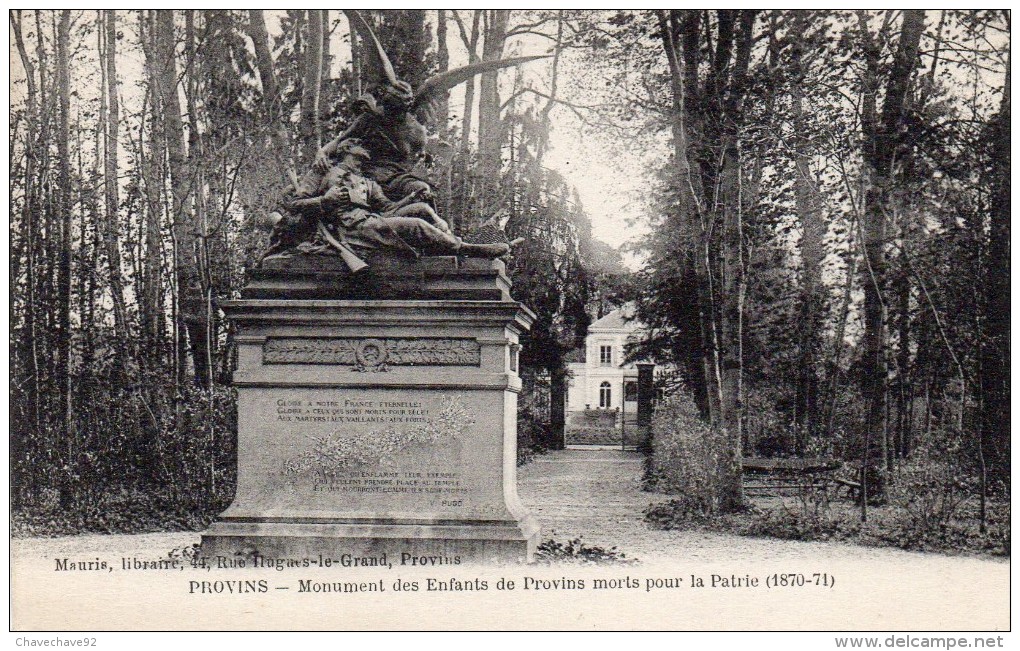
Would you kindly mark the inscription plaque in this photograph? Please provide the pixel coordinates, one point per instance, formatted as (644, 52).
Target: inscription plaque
(418, 451)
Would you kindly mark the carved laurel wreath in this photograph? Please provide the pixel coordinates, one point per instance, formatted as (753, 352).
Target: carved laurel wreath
(371, 353)
(331, 455)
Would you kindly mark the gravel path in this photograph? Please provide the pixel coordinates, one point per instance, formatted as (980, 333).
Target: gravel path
(591, 494)
(596, 495)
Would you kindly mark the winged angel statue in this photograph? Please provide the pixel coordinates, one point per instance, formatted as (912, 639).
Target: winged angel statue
(362, 192)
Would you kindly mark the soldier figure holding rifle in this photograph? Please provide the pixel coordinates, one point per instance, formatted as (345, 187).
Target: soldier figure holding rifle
(343, 212)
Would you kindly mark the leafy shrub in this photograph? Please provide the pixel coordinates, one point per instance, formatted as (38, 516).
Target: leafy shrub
(796, 524)
(932, 489)
(682, 513)
(849, 414)
(687, 456)
(593, 427)
(194, 454)
(998, 539)
(533, 433)
(600, 416)
(551, 551)
(887, 526)
(120, 512)
(147, 456)
(770, 432)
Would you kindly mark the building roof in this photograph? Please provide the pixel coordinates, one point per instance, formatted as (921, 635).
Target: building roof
(618, 319)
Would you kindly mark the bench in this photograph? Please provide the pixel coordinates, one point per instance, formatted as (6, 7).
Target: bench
(776, 487)
(773, 476)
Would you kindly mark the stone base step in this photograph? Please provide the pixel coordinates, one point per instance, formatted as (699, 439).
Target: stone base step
(400, 544)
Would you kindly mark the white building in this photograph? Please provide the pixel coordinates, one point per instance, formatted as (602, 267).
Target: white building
(599, 379)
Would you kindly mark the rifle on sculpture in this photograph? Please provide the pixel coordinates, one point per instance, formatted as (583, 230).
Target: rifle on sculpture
(283, 225)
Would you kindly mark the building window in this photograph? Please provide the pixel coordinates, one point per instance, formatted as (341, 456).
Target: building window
(606, 355)
(605, 396)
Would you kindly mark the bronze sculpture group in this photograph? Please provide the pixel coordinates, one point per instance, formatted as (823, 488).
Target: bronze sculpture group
(343, 206)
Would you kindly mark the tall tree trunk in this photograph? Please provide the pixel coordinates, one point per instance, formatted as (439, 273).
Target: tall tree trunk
(904, 391)
(995, 345)
(882, 145)
(84, 249)
(64, 208)
(811, 252)
(722, 321)
(204, 316)
(63, 367)
(44, 295)
(683, 84)
(270, 89)
(356, 73)
(152, 316)
(111, 225)
(490, 126)
(312, 81)
(96, 213)
(190, 313)
(832, 395)
(444, 164)
(733, 272)
(558, 373)
(29, 219)
(459, 213)
(327, 56)
(686, 34)
(443, 61)
(543, 141)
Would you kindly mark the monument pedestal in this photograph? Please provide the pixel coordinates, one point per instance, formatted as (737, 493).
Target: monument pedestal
(372, 427)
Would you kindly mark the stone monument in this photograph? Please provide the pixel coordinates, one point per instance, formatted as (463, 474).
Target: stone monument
(377, 365)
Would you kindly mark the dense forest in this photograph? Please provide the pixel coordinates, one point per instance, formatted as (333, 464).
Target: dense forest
(830, 254)
(823, 256)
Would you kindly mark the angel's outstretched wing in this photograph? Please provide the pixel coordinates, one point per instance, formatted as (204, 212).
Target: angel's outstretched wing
(377, 63)
(428, 94)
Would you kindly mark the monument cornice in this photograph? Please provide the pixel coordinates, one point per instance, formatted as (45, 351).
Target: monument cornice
(475, 382)
(380, 312)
